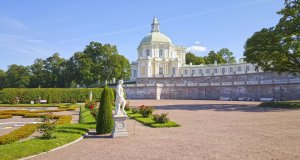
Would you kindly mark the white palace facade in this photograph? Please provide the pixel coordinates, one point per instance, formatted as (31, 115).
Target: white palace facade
(159, 57)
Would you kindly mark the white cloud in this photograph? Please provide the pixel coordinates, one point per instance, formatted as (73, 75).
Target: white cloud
(196, 48)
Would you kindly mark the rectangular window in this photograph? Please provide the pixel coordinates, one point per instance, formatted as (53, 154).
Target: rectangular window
(160, 53)
(200, 71)
(247, 68)
(230, 69)
(193, 72)
(147, 52)
(134, 73)
(185, 72)
(223, 70)
(215, 70)
(161, 71)
(207, 71)
(239, 69)
(173, 71)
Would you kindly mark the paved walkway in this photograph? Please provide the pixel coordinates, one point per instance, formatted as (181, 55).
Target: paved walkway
(210, 130)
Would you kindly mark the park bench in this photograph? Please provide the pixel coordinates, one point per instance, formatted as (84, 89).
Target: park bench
(43, 101)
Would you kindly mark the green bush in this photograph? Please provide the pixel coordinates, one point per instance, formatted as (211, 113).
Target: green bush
(46, 128)
(161, 118)
(145, 111)
(66, 95)
(135, 110)
(104, 119)
(127, 106)
(18, 134)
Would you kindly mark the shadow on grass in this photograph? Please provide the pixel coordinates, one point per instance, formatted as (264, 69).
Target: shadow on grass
(223, 108)
(69, 131)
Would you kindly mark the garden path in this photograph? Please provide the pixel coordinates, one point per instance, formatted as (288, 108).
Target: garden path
(210, 130)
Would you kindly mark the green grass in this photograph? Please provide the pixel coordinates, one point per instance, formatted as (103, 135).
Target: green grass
(283, 104)
(87, 118)
(149, 121)
(33, 105)
(63, 134)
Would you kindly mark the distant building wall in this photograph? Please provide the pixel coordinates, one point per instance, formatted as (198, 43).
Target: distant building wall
(254, 85)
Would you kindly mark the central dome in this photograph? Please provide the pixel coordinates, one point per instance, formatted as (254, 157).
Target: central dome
(156, 37)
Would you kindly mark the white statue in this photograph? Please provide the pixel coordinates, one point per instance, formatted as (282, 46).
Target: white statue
(91, 96)
(120, 100)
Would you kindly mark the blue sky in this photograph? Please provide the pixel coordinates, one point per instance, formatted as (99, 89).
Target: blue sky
(36, 29)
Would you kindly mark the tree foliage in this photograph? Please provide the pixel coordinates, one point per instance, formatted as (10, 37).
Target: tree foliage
(224, 55)
(278, 48)
(95, 64)
(17, 76)
(192, 58)
(104, 119)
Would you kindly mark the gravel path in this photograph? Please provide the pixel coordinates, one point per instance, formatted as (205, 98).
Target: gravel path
(210, 130)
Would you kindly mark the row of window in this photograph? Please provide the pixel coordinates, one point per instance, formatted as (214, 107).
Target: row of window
(161, 52)
(215, 70)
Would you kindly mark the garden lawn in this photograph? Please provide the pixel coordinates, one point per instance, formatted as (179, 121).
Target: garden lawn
(149, 121)
(63, 134)
(87, 118)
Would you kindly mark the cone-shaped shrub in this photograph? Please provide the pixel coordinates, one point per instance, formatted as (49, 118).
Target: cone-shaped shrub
(105, 120)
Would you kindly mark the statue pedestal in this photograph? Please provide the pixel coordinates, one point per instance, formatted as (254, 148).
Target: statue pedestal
(119, 129)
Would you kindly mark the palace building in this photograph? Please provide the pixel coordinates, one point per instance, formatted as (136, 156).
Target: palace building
(159, 57)
(161, 72)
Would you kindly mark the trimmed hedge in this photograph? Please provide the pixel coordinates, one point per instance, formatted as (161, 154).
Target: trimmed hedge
(18, 134)
(6, 116)
(64, 120)
(57, 95)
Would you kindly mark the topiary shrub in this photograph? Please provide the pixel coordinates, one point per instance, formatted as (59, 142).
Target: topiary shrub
(145, 111)
(161, 118)
(104, 119)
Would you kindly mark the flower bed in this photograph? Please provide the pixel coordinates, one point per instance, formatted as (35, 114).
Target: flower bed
(157, 121)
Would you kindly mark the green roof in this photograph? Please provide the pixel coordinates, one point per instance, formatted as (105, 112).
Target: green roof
(156, 37)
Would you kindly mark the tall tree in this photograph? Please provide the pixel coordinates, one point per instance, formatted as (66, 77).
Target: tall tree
(2, 78)
(227, 55)
(82, 66)
(54, 66)
(17, 76)
(278, 48)
(192, 58)
(38, 76)
(213, 56)
(121, 67)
